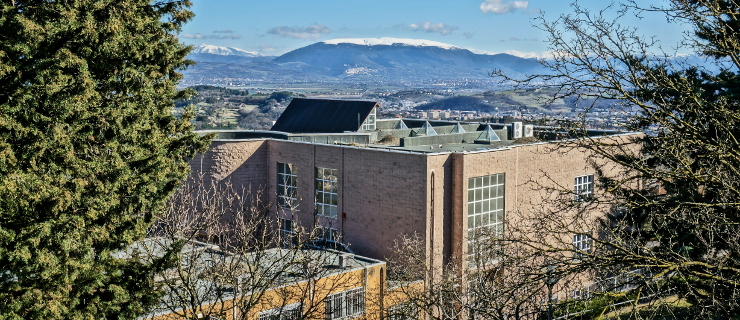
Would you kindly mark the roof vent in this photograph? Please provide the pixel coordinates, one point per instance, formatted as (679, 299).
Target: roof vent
(344, 259)
(458, 129)
(400, 125)
(426, 130)
(488, 135)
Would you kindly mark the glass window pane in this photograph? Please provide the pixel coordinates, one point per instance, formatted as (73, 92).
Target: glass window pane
(485, 206)
(478, 182)
(478, 221)
(478, 207)
(485, 193)
(334, 187)
(471, 209)
(471, 183)
(471, 222)
(333, 200)
(486, 180)
(333, 212)
(478, 194)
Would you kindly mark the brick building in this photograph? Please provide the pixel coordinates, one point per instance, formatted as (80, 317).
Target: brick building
(367, 181)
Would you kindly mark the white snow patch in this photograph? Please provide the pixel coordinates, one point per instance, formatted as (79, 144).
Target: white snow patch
(224, 51)
(392, 41)
(360, 70)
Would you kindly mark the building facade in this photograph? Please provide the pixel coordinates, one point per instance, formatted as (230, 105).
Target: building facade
(441, 180)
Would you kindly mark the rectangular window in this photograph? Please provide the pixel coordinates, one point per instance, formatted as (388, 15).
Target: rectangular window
(289, 312)
(287, 231)
(329, 234)
(581, 245)
(485, 216)
(584, 187)
(369, 123)
(287, 181)
(345, 304)
(327, 187)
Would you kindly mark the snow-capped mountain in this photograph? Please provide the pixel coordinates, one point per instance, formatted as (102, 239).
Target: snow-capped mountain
(400, 58)
(392, 41)
(372, 60)
(224, 51)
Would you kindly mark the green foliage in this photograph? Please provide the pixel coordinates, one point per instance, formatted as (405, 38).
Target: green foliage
(89, 152)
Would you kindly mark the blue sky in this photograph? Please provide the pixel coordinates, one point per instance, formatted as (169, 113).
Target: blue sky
(273, 27)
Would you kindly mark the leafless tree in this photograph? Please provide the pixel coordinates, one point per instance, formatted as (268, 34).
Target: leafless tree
(663, 220)
(235, 260)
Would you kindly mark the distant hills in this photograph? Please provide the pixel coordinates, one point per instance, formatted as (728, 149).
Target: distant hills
(371, 61)
(374, 60)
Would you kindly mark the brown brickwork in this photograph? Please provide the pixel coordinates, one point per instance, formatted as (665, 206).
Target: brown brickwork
(383, 194)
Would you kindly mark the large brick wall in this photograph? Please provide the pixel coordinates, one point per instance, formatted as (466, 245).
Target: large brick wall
(241, 163)
(384, 194)
(381, 194)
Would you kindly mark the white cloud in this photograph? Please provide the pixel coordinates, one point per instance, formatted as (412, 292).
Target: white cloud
(502, 7)
(429, 27)
(310, 32)
(193, 36)
(467, 35)
(223, 31)
(521, 54)
(226, 36)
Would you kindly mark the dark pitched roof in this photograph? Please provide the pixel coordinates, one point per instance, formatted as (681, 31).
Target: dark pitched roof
(323, 116)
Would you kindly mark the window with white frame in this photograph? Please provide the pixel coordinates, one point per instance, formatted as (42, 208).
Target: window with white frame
(485, 216)
(345, 304)
(581, 244)
(369, 123)
(289, 312)
(287, 182)
(327, 187)
(287, 230)
(329, 234)
(583, 187)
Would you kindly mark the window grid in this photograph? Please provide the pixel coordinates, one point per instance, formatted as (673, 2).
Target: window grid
(287, 185)
(289, 312)
(345, 304)
(583, 187)
(485, 213)
(581, 244)
(287, 230)
(369, 124)
(329, 234)
(326, 192)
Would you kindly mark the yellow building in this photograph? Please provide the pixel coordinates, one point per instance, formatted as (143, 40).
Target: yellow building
(275, 284)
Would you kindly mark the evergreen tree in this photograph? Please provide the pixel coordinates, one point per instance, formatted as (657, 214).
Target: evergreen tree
(89, 151)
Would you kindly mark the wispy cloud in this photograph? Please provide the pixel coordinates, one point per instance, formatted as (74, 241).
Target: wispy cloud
(192, 36)
(501, 6)
(310, 32)
(226, 36)
(223, 31)
(429, 27)
(266, 48)
(517, 39)
(467, 35)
